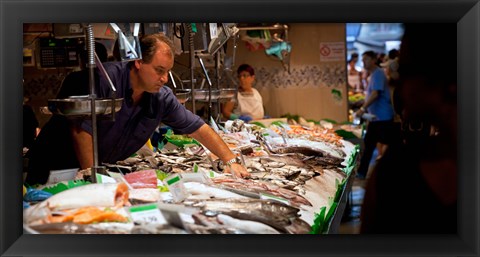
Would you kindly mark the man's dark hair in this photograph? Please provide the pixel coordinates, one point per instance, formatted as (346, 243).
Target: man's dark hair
(392, 54)
(148, 44)
(370, 54)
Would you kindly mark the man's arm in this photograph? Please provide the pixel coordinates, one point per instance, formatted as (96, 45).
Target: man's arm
(370, 99)
(217, 146)
(83, 145)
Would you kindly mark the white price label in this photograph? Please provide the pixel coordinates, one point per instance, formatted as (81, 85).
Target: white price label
(199, 175)
(147, 214)
(176, 187)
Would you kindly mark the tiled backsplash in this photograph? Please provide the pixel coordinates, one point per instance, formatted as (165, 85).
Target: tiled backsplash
(301, 76)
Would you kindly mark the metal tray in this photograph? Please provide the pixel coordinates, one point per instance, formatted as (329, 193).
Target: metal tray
(227, 93)
(182, 95)
(81, 106)
(202, 94)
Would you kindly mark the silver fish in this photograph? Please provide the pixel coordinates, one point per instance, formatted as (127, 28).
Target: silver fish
(272, 213)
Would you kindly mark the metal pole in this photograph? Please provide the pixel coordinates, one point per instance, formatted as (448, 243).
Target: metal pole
(192, 64)
(209, 111)
(90, 42)
(217, 82)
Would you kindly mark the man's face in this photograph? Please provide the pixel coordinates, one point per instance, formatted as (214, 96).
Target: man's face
(368, 62)
(154, 75)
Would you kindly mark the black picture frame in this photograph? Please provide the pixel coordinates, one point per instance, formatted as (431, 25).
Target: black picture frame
(14, 13)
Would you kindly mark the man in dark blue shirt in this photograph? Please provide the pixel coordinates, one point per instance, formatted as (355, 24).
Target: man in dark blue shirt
(67, 143)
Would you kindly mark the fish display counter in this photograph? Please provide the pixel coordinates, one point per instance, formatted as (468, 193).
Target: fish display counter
(299, 177)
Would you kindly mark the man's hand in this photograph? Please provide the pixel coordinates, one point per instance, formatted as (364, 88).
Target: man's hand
(238, 170)
(360, 112)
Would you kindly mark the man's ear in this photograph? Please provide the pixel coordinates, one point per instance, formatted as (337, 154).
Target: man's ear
(138, 63)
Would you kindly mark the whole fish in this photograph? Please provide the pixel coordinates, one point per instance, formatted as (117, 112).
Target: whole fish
(207, 192)
(259, 187)
(248, 226)
(272, 213)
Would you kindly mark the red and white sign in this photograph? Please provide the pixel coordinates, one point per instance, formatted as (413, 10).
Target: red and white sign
(332, 51)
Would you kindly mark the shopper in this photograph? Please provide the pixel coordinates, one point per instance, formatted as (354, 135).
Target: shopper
(413, 188)
(391, 67)
(248, 104)
(66, 143)
(354, 76)
(380, 58)
(378, 103)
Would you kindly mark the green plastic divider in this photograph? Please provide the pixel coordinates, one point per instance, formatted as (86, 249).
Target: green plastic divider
(314, 121)
(318, 222)
(258, 124)
(62, 186)
(179, 140)
(278, 123)
(330, 120)
(329, 216)
(345, 134)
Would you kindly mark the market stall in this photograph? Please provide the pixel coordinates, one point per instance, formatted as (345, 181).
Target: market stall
(299, 172)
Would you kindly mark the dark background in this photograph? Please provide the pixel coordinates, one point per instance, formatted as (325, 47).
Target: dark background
(13, 14)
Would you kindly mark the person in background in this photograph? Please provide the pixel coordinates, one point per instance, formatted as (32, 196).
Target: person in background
(378, 103)
(380, 58)
(30, 124)
(248, 104)
(67, 143)
(354, 76)
(391, 67)
(413, 188)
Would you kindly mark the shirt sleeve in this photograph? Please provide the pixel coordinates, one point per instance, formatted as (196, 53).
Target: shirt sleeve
(378, 81)
(181, 120)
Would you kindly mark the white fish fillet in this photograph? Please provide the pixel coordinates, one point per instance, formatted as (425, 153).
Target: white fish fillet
(248, 226)
(100, 195)
(145, 194)
(197, 189)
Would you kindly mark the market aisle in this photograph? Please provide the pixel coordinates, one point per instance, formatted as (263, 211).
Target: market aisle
(351, 220)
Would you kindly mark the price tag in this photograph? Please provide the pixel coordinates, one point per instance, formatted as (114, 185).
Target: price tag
(274, 198)
(176, 187)
(199, 174)
(147, 214)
